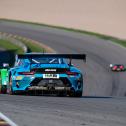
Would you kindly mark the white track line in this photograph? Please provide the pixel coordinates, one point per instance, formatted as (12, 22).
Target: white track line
(11, 123)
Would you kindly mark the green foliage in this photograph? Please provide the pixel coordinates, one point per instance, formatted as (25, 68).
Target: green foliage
(32, 47)
(9, 46)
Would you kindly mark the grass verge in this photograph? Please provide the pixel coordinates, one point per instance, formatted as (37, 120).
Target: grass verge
(9, 46)
(105, 37)
(32, 47)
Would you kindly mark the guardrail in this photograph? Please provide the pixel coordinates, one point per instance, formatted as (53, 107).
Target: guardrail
(10, 38)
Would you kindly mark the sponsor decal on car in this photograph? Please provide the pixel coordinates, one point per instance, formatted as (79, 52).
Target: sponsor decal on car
(50, 70)
(19, 78)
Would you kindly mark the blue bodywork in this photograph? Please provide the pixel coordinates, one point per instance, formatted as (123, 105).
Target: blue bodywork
(48, 74)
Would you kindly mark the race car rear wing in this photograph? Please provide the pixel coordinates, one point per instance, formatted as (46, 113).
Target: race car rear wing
(66, 56)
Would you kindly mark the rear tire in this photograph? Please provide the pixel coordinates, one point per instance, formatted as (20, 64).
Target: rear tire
(9, 88)
(3, 89)
(78, 94)
(75, 94)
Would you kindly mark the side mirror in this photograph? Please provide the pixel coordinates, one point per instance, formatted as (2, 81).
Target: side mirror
(5, 65)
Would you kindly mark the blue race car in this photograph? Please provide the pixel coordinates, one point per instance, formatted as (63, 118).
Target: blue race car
(46, 73)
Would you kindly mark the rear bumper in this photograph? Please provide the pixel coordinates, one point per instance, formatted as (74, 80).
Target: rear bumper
(41, 88)
(121, 70)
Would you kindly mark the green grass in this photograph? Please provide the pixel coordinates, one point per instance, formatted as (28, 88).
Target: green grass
(9, 46)
(31, 46)
(105, 37)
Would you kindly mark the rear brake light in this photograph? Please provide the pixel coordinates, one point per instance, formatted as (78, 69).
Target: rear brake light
(71, 73)
(121, 67)
(27, 73)
(115, 67)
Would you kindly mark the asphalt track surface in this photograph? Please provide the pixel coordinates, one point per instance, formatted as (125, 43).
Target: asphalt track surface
(96, 107)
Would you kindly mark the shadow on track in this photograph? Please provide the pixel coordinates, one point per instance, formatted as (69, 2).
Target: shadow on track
(96, 97)
(55, 95)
